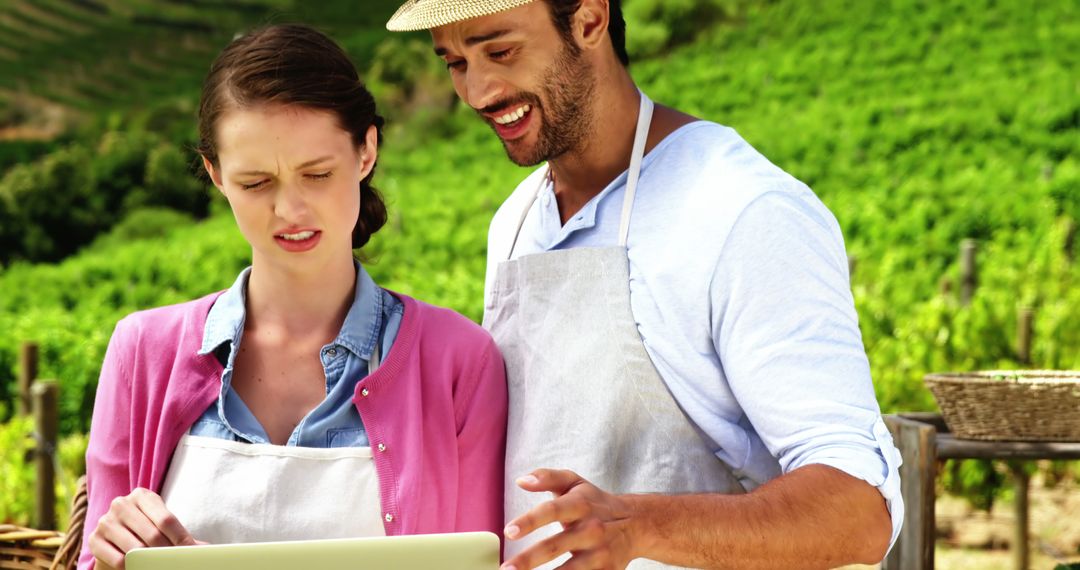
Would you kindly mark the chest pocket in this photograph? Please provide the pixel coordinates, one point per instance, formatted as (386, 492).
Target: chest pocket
(346, 437)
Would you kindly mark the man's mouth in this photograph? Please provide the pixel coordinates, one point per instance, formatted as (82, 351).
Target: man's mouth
(514, 116)
(514, 123)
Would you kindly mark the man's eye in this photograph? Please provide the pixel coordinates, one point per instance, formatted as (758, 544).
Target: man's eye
(502, 54)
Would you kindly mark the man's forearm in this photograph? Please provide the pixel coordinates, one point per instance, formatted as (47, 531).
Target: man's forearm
(813, 517)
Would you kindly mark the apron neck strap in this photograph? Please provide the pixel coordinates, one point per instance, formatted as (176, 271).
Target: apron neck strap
(637, 156)
(644, 121)
(376, 358)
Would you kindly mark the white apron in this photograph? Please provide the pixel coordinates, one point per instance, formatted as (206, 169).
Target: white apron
(226, 492)
(584, 394)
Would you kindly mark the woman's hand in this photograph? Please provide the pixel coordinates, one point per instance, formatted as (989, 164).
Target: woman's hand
(138, 520)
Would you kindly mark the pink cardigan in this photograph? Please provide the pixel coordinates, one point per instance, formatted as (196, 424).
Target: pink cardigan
(438, 403)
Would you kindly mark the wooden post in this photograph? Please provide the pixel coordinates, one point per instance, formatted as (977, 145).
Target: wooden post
(968, 271)
(45, 431)
(28, 371)
(914, 548)
(1023, 334)
(1021, 553)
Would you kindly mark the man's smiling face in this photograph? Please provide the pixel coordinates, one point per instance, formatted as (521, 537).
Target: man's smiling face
(529, 83)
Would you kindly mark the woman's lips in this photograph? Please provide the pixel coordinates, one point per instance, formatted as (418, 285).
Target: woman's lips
(299, 241)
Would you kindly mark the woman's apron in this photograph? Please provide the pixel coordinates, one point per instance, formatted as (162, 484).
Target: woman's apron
(584, 394)
(226, 492)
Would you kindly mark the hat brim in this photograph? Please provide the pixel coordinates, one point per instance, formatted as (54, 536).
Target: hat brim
(427, 14)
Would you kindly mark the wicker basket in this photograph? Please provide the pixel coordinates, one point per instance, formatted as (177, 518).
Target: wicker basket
(1018, 405)
(27, 549)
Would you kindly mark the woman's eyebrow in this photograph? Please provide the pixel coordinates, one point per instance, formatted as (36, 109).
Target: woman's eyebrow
(307, 164)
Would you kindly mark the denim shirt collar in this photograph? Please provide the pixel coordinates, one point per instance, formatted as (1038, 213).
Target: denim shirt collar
(359, 332)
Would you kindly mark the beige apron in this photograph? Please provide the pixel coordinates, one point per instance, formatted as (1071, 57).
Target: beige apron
(227, 492)
(584, 394)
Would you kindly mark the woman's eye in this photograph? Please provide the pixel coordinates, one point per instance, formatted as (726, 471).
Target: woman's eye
(253, 186)
(321, 175)
(455, 65)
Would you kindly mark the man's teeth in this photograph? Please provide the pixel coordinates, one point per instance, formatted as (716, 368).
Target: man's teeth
(297, 237)
(513, 115)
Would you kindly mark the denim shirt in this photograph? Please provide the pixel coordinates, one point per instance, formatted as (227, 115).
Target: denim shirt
(374, 314)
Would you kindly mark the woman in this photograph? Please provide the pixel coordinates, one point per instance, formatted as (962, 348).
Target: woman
(303, 402)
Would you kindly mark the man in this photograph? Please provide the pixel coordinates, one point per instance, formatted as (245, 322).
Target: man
(686, 373)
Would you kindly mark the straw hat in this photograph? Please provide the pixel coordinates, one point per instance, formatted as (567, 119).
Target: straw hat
(426, 14)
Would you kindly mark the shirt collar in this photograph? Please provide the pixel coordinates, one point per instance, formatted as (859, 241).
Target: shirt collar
(225, 321)
(359, 332)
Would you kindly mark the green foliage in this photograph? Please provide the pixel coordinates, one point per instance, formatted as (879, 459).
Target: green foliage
(51, 207)
(653, 26)
(94, 57)
(142, 224)
(919, 125)
(17, 472)
(19, 151)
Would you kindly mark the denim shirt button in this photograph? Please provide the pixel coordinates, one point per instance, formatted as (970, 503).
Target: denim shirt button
(331, 352)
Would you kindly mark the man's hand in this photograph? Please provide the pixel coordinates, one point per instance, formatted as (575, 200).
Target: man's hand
(816, 516)
(137, 520)
(596, 524)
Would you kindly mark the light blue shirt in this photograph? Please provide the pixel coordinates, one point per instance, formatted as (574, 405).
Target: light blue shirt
(374, 314)
(740, 290)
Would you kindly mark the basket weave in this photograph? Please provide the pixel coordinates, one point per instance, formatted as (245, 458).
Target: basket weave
(27, 549)
(1017, 405)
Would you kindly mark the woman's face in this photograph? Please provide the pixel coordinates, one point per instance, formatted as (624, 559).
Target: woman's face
(292, 176)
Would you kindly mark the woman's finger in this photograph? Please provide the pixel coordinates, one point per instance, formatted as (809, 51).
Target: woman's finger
(166, 524)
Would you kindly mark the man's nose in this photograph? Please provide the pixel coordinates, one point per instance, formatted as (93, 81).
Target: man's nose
(482, 87)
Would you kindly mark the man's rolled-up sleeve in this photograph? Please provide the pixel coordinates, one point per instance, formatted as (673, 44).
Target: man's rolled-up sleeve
(786, 330)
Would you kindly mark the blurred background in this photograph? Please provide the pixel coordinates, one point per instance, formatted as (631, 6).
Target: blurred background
(920, 123)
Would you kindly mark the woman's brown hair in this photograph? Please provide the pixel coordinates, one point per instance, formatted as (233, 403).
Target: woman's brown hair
(292, 64)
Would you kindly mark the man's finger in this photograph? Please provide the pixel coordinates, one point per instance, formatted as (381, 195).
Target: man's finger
(558, 481)
(576, 538)
(588, 560)
(169, 526)
(567, 510)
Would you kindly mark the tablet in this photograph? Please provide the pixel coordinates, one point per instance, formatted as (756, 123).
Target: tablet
(458, 551)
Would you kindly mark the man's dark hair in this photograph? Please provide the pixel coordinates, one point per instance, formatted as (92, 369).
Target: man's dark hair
(562, 13)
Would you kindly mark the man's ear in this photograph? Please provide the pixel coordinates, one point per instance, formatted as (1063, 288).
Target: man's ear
(591, 23)
(215, 176)
(370, 153)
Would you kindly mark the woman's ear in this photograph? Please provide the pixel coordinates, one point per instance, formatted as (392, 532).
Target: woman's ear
(215, 176)
(370, 152)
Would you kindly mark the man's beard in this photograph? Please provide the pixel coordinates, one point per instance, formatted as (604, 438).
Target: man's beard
(568, 86)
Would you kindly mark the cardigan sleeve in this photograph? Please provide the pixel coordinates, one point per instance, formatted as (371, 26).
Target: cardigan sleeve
(109, 448)
(482, 445)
